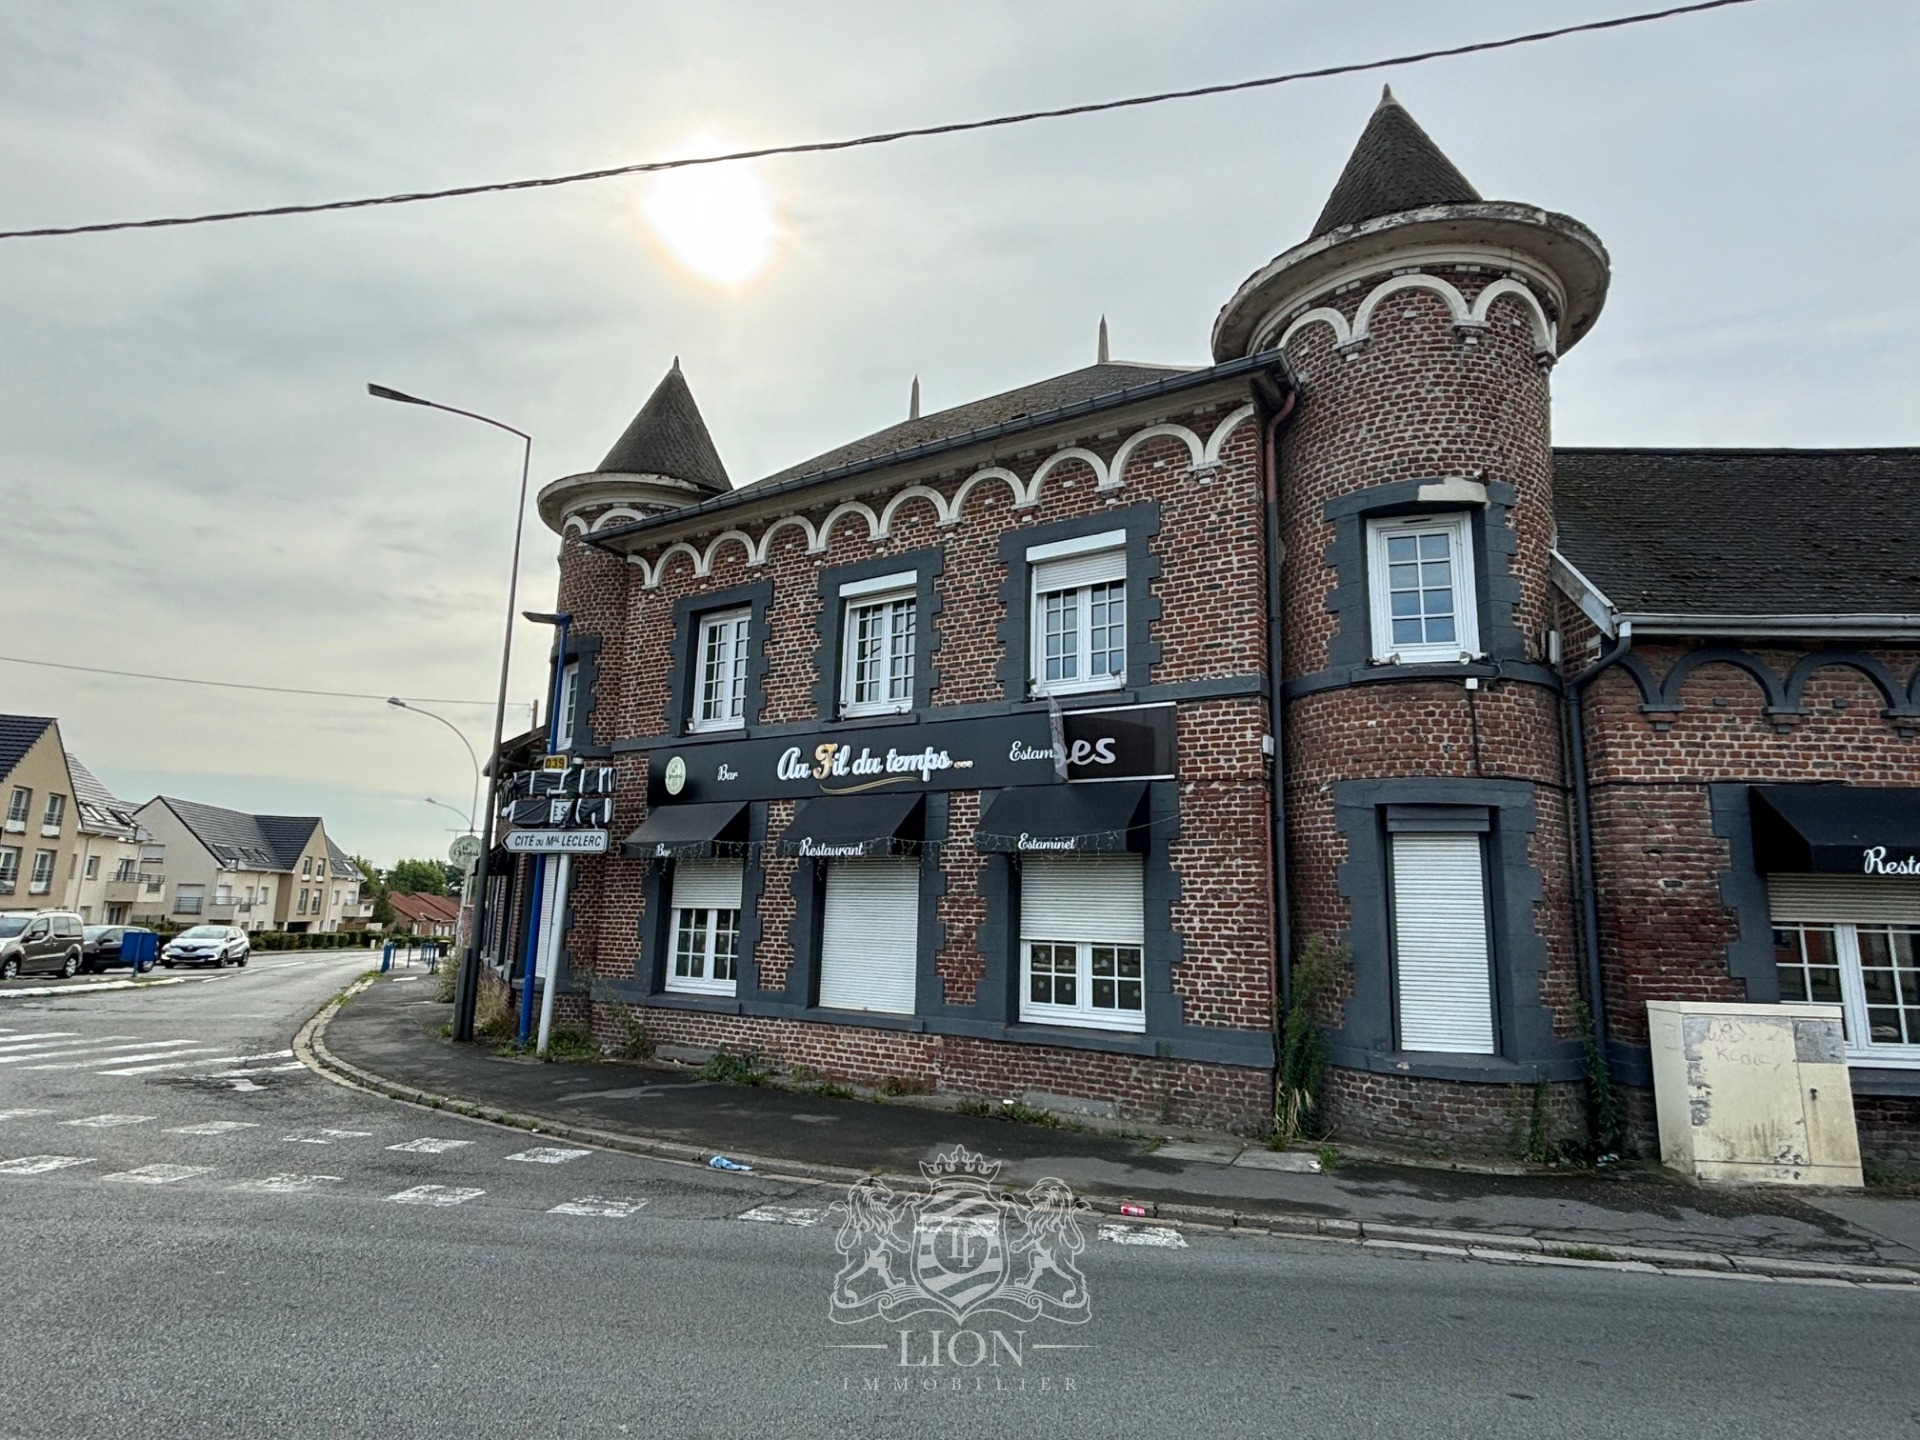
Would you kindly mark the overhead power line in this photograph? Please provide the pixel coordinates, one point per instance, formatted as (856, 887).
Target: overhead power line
(232, 684)
(885, 137)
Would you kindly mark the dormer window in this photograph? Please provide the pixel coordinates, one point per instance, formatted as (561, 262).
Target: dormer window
(1420, 579)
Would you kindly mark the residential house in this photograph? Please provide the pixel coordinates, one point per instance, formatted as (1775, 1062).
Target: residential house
(114, 875)
(261, 872)
(422, 914)
(38, 826)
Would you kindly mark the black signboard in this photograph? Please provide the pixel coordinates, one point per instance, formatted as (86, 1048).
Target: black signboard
(988, 753)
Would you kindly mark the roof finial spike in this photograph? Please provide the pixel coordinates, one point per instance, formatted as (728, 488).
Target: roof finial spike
(1386, 95)
(1102, 353)
(913, 403)
(676, 364)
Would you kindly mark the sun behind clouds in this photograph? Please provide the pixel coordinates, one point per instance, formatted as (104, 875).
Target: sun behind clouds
(717, 221)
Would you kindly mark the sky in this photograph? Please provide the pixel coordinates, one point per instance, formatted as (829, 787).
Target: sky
(193, 481)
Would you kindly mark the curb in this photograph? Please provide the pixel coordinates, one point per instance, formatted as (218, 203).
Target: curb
(46, 992)
(309, 1046)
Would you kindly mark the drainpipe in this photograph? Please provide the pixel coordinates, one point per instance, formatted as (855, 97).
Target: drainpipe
(1270, 483)
(1583, 823)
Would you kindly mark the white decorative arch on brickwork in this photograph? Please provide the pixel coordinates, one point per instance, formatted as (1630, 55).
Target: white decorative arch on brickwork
(797, 522)
(1117, 472)
(1320, 315)
(1072, 452)
(839, 512)
(1546, 340)
(981, 476)
(618, 515)
(573, 525)
(679, 547)
(739, 537)
(913, 492)
(1465, 316)
(1456, 302)
(1217, 441)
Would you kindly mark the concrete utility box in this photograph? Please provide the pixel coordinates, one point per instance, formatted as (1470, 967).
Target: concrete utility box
(1753, 1094)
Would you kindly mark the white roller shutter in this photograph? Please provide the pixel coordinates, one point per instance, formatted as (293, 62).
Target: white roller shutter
(1072, 571)
(1095, 899)
(707, 884)
(1443, 984)
(1862, 899)
(870, 940)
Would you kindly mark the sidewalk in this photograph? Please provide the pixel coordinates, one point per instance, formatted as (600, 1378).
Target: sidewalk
(389, 1037)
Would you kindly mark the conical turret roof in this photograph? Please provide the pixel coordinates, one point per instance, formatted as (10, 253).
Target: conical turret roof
(1396, 166)
(669, 438)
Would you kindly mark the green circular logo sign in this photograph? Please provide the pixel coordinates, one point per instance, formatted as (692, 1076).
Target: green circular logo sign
(676, 775)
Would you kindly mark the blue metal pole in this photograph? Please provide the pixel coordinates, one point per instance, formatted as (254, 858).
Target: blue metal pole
(532, 948)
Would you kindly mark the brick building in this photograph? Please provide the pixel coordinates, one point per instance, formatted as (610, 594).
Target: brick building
(949, 755)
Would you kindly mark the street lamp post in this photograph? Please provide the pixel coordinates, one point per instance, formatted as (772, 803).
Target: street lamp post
(467, 985)
(397, 703)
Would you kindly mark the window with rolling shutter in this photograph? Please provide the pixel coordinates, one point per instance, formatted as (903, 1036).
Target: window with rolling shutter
(1443, 983)
(1853, 941)
(706, 926)
(869, 944)
(1082, 939)
(1079, 614)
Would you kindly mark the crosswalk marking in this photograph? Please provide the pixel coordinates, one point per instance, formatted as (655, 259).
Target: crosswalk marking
(430, 1146)
(255, 1070)
(21, 1113)
(324, 1137)
(436, 1195)
(145, 1051)
(599, 1205)
(214, 1127)
(19, 1054)
(104, 1122)
(41, 1164)
(1161, 1235)
(286, 1184)
(160, 1174)
(13, 1040)
(548, 1155)
(217, 1060)
(786, 1214)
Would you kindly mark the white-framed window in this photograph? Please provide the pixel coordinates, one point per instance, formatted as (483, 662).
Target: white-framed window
(125, 870)
(19, 805)
(569, 706)
(189, 899)
(1442, 972)
(706, 926)
(223, 893)
(55, 812)
(42, 881)
(1082, 941)
(1855, 943)
(876, 666)
(93, 867)
(9, 868)
(306, 866)
(720, 671)
(1420, 583)
(1079, 639)
(303, 903)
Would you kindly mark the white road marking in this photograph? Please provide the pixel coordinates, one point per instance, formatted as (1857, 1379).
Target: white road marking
(103, 1122)
(1161, 1235)
(47, 1049)
(52, 1040)
(599, 1205)
(325, 1137)
(129, 1056)
(430, 1146)
(13, 1040)
(21, 1114)
(186, 1064)
(255, 1070)
(41, 1164)
(786, 1214)
(160, 1174)
(435, 1195)
(214, 1127)
(286, 1184)
(548, 1155)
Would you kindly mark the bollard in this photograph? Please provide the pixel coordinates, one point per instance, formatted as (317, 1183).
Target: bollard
(386, 957)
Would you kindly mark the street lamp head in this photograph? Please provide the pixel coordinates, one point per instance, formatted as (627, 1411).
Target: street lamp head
(541, 618)
(381, 392)
(397, 702)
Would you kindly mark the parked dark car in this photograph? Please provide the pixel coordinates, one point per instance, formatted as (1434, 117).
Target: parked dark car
(48, 941)
(102, 949)
(214, 945)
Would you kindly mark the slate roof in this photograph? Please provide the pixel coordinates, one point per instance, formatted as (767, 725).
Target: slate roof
(1396, 166)
(247, 842)
(101, 811)
(342, 863)
(1076, 385)
(1744, 532)
(668, 437)
(19, 734)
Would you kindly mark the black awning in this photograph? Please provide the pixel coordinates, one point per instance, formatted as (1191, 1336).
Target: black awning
(844, 826)
(1835, 830)
(1063, 819)
(688, 832)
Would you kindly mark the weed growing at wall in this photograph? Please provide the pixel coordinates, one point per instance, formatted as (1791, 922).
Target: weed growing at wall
(1303, 1056)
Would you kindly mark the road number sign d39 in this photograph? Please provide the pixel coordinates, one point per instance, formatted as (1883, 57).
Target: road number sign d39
(557, 842)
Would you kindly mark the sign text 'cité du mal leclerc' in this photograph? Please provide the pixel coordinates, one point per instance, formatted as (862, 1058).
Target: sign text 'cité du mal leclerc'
(986, 753)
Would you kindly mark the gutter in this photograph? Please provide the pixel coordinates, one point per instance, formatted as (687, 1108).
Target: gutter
(1862, 626)
(1276, 693)
(1265, 360)
(1583, 825)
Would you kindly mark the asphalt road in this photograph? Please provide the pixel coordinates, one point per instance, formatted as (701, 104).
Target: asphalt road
(229, 1247)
